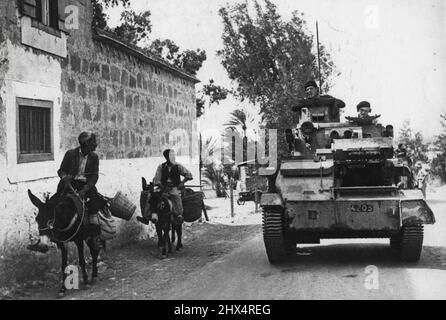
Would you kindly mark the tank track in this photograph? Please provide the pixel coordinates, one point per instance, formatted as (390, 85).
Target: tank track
(411, 243)
(273, 235)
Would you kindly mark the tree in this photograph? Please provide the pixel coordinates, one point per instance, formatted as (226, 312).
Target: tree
(210, 93)
(416, 148)
(135, 29)
(270, 59)
(189, 60)
(438, 166)
(99, 17)
(238, 119)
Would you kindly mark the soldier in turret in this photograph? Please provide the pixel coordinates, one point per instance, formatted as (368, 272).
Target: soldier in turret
(313, 98)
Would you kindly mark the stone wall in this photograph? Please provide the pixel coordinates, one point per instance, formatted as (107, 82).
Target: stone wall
(132, 105)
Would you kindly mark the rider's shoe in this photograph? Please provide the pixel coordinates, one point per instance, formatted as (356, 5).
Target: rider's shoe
(95, 243)
(180, 219)
(39, 247)
(154, 218)
(144, 220)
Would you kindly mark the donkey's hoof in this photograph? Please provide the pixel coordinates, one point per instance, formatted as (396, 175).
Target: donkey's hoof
(61, 293)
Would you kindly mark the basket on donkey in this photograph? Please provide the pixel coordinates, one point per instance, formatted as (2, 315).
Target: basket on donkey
(192, 205)
(121, 207)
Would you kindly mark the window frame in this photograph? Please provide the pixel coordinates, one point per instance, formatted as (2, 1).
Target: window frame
(34, 157)
(47, 17)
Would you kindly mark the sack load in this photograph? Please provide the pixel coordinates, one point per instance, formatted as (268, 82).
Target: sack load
(192, 206)
(107, 223)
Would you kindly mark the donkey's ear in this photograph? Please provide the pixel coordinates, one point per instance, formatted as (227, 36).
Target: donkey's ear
(144, 183)
(35, 201)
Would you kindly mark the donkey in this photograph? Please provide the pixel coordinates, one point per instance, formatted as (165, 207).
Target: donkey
(159, 203)
(61, 219)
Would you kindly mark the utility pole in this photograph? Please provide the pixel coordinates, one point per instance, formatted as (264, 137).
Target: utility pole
(231, 194)
(318, 57)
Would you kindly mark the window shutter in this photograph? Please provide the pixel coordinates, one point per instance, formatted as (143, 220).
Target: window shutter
(54, 14)
(29, 8)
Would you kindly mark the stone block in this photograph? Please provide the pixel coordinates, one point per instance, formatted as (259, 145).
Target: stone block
(102, 93)
(120, 95)
(124, 78)
(127, 139)
(82, 90)
(128, 101)
(139, 80)
(97, 116)
(94, 68)
(85, 66)
(87, 112)
(106, 72)
(66, 109)
(115, 74)
(132, 83)
(75, 62)
(71, 85)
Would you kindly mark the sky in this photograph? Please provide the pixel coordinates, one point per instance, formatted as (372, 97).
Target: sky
(391, 53)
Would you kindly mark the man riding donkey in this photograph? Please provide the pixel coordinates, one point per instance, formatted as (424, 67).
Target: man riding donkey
(168, 177)
(79, 172)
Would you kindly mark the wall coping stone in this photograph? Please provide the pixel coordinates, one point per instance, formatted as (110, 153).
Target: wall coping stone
(104, 36)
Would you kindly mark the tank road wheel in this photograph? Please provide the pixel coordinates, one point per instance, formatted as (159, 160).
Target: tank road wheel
(273, 235)
(395, 242)
(411, 243)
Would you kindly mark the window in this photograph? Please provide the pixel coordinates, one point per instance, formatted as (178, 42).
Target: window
(47, 13)
(34, 127)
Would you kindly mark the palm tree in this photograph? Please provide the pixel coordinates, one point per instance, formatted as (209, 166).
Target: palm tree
(238, 119)
(214, 178)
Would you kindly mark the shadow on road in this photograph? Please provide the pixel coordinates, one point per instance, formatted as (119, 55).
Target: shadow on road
(360, 255)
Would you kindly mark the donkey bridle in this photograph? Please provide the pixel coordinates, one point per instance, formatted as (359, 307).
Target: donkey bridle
(51, 223)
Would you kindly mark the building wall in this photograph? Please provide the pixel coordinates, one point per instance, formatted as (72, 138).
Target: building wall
(136, 109)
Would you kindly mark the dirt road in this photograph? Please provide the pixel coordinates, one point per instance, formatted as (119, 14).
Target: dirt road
(335, 269)
(227, 260)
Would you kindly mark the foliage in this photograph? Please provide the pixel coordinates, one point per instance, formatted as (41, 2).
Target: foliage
(211, 93)
(99, 17)
(416, 148)
(200, 106)
(189, 60)
(270, 59)
(135, 29)
(134, 26)
(238, 119)
(438, 166)
(215, 92)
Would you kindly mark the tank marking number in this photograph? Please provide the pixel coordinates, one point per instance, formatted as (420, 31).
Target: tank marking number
(361, 207)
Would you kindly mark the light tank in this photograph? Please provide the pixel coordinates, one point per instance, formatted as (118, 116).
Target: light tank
(342, 180)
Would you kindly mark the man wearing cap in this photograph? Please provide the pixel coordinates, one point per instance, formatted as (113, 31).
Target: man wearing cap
(364, 117)
(363, 109)
(80, 168)
(168, 176)
(313, 98)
